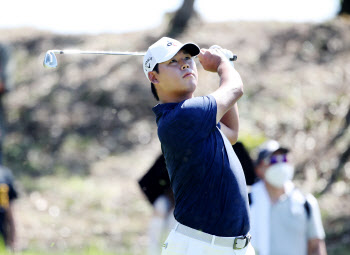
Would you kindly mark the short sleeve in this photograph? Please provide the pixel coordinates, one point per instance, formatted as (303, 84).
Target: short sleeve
(315, 227)
(193, 119)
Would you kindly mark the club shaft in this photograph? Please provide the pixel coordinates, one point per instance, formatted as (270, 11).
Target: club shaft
(98, 52)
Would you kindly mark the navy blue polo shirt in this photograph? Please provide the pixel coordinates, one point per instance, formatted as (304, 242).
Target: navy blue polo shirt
(206, 176)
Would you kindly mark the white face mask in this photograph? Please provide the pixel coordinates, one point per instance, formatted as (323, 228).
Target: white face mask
(278, 174)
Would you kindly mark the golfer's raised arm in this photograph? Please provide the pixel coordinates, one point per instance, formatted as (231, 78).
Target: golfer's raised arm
(230, 89)
(230, 124)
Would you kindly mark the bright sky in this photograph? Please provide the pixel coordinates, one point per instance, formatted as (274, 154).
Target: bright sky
(118, 16)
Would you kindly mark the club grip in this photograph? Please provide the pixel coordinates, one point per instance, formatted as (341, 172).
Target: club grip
(234, 58)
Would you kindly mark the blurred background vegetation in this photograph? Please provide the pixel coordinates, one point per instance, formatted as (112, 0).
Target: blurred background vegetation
(80, 136)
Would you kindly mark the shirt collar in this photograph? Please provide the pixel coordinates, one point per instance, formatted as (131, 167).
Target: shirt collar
(159, 109)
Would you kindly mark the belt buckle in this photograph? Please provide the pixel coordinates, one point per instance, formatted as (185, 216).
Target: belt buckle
(246, 238)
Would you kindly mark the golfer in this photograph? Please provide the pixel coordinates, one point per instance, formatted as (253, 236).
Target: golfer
(196, 135)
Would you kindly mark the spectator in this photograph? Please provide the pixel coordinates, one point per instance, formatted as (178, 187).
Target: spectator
(162, 221)
(7, 190)
(7, 194)
(283, 220)
(156, 186)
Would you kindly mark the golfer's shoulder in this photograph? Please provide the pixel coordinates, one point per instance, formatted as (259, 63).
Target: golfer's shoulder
(187, 110)
(197, 103)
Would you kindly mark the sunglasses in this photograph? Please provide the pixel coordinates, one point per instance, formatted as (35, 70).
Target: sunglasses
(281, 158)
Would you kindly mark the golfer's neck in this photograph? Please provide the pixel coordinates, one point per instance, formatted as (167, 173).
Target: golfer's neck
(175, 98)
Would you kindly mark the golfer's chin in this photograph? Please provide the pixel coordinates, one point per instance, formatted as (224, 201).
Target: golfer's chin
(191, 87)
(191, 84)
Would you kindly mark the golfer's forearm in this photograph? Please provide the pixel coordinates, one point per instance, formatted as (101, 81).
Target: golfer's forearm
(230, 90)
(231, 121)
(231, 86)
(230, 79)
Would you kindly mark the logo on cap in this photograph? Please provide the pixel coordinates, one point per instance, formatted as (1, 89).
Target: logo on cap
(171, 43)
(147, 64)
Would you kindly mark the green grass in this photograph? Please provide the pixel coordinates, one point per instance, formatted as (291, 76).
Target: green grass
(340, 249)
(87, 251)
(251, 141)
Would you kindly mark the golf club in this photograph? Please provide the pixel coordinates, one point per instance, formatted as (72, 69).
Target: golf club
(50, 60)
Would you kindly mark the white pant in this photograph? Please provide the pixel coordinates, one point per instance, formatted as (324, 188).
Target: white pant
(179, 244)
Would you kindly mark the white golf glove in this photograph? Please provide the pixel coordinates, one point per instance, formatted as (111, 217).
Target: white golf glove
(227, 53)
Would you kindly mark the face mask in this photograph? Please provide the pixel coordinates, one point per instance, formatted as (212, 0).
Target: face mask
(278, 174)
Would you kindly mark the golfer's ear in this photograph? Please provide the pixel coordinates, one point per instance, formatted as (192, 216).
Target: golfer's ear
(152, 77)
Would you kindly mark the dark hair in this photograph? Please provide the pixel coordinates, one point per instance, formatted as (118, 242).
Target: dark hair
(153, 88)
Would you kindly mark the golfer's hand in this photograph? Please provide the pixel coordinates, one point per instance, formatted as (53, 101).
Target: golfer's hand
(228, 54)
(211, 59)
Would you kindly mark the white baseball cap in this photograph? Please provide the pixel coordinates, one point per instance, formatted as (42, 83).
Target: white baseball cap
(163, 50)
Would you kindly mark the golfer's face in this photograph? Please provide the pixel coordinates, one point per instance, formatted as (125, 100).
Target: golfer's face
(179, 74)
